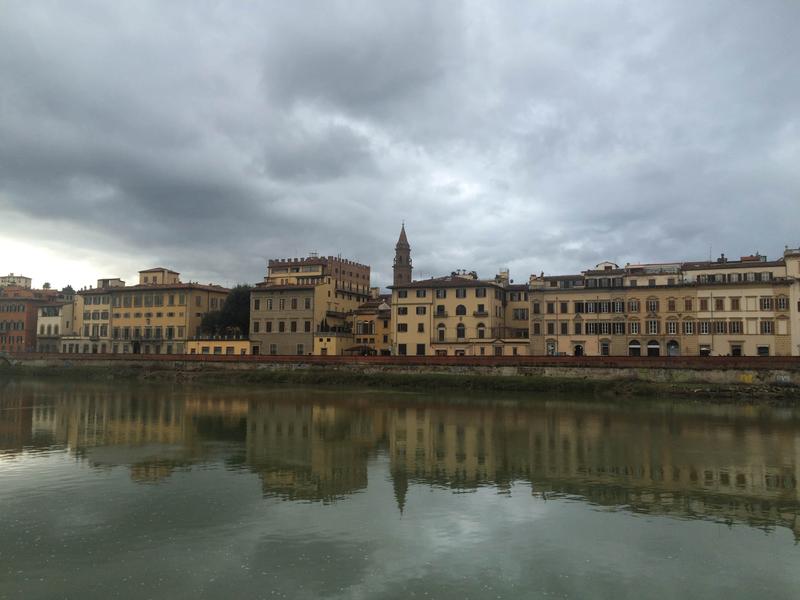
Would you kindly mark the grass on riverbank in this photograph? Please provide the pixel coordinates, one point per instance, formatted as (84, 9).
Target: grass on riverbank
(412, 381)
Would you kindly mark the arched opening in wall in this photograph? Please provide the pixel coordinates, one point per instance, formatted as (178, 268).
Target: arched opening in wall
(577, 350)
(460, 331)
(673, 348)
(440, 332)
(653, 348)
(461, 310)
(550, 347)
(481, 331)
(634, 348)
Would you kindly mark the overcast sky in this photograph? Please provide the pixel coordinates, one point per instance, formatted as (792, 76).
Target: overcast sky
(535, 135)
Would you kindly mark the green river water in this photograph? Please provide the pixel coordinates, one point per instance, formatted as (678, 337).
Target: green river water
(168, 491)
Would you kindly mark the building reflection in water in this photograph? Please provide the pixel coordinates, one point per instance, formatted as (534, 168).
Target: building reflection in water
(728, 463)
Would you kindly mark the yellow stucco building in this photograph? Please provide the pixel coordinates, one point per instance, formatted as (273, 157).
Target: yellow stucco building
(303, 305)
(745, 307)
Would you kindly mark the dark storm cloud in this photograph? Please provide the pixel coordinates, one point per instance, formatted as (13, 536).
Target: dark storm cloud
(538, 136)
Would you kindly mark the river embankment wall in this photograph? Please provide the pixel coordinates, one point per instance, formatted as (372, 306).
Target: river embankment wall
(775, 376)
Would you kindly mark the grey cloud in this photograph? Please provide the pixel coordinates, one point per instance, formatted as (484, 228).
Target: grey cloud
(541, 136)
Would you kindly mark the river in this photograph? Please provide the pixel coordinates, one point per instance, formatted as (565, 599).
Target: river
(168, 491)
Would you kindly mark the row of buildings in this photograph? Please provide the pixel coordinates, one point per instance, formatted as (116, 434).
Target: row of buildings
(326, 305)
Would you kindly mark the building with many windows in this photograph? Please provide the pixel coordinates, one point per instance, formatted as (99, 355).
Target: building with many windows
(12, 280)
(745, 307)
(19, 311)
(303, 305)
(156, 316)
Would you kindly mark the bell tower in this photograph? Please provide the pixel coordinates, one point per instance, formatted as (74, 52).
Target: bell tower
(402, 259)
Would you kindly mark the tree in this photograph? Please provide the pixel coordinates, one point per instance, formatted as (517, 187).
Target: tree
(234, 316)
(46, 285)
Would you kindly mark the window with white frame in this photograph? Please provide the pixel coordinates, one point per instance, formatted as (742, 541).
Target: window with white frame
(652, 326)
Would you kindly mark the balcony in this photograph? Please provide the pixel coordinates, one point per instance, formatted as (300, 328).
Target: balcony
(480, 313)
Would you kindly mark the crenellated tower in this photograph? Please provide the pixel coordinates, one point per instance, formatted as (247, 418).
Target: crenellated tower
(402, 259)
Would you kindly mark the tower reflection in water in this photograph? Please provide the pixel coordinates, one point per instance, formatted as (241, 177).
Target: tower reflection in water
(728, 463)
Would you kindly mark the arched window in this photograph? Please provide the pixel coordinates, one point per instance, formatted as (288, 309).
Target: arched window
(634, 348)
(481, 331)
(460, 331)
(440, 330)
(461, 309)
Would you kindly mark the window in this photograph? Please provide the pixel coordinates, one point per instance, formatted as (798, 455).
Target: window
(633, 306)
(687, 304)
(578, 327)
(420, 327)
(762, 350)
(402, 327)
(481, 331)
(401, 349)
(273, 349)
(461, 310)
(551, 328)
(782, 303)
(256, 326)
(735, 304)
(480, 292)
(421, 310)
(461, 293)
(536, 309)
(281, 326)
(421, 293)
(441, 293)
(294, 303)
(402, 293)
(619, 306)
(618, 328)
(767, 327)
(537, 328)
(735, 327)
(672, 328)
(460, 331)
(307, 303)
(703, 303)
(719, 303)
(564, 308)
(300, 349)
(564, 328)
(307, 326)
(634, 327)
(688, 327)
(420, 349)
(402, 310)
(551, 308)
(652, 305)
(651, 282)
(704, 328)
(605, 348)
(671, 305)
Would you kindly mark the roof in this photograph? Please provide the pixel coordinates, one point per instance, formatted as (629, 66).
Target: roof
(448, 282)
(604, 272)
(402, 241)
(517, 287)
(157, 286)
(739, 264)
(158, 269)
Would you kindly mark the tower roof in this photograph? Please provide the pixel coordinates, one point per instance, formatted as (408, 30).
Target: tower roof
(402, 242)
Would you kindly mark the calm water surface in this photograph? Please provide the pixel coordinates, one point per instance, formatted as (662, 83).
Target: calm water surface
(243, 492)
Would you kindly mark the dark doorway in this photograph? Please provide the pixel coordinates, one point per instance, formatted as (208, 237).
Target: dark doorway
(653, 349)
(578, 350)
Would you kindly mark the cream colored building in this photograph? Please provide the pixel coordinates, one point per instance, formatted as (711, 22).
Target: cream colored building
(458, 315)
(747, 307)
(156, 316)
(303, 305)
